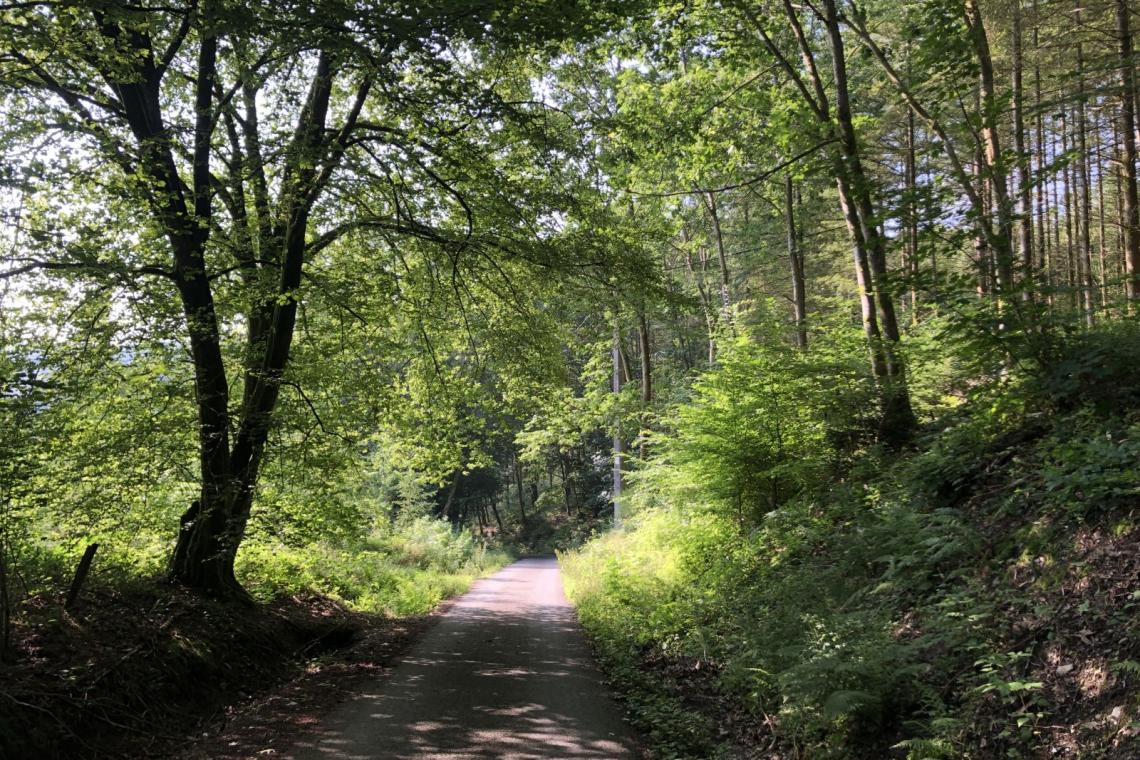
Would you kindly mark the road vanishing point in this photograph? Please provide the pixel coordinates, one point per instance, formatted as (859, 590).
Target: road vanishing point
(505, 673)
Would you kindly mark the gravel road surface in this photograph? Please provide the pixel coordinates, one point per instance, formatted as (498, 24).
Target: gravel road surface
(506, 673)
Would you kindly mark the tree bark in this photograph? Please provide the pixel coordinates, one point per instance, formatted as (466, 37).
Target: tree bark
(1102, 231)
(1084, 186)
(495, 512)
(911, 265)
(1131, 206)
(1024, 185)
(5, 605)
(722, 258)
(1042, 210)
(646, 379)
(898, 419)
(617, 431)
(517, 467)
(207, 545)
(799, 299)
(1070, 233)
(997, 172)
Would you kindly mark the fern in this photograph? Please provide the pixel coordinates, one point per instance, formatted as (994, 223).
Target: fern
(927, 749)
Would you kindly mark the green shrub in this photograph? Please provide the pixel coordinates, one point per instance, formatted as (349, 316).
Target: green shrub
(406, 572)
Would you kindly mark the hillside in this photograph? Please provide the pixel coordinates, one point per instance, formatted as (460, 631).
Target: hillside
(973, 595)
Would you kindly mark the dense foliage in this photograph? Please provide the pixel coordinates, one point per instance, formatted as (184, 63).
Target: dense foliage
(830, 306)
(934, 602)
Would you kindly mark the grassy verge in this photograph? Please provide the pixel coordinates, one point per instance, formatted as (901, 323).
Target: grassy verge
(138, 664)
(404, 572)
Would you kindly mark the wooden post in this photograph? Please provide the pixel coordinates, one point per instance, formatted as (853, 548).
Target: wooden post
(80, 575)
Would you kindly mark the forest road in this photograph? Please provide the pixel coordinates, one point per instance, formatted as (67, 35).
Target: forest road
(506, 673)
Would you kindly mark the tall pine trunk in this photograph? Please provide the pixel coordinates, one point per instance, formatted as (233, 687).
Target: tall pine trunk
(1024, 199)
(1131, 206)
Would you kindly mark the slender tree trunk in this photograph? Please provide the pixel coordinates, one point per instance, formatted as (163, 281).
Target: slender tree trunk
(623, 358)
(799, 299)
(707, 309)
(1102, 256)
(495, 512)
(646, 359)
(517, 467)
(1024, 189)
(1084, 262)
(617, 432)
(1128, 159)
(1052, 274)
(983, 256)
(911, 221)
(1070, 232)
(646, 379)
(898, 416)
(722, 257)
(995, 160)
(5, 604)
(1121, 218)
(1042, 149)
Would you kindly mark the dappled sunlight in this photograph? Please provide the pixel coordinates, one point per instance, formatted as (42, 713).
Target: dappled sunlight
(505, 674)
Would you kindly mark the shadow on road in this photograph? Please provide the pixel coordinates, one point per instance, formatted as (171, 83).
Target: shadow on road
(505, 674)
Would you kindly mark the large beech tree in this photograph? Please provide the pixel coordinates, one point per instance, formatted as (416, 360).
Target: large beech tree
(230, 124)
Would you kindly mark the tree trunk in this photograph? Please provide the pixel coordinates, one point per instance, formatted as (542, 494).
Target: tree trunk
(707, 309)
(1121, 218)
(1070, 232)
(983, 256)
(567, 488)
(1051, 263)
(617, 432)
(722, 257)
(495, 512)
(519, 485)
(911, 220)
(1084, 186)
(646, 359)
(1024, 198)
(799, 299)
(1102, 231)
(209, 538)
(1042, 151)
(5, 605)
(997, 172)
(646, 379)
(898, 416)
(1128, 159)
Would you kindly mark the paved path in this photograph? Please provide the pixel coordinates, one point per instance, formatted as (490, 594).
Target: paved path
(506, 673)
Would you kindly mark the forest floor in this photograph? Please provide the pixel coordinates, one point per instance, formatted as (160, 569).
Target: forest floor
(156, 672)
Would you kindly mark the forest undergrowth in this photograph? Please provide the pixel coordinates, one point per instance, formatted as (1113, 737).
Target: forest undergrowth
(973, 595)
(137, 667)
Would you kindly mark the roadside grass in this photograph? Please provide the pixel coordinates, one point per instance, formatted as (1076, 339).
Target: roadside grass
(973, 597)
